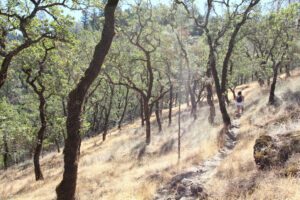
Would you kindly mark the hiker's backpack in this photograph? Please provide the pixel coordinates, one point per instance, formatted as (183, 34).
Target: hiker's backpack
(239, 99)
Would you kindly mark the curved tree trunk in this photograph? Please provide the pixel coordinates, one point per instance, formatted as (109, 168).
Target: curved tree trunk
(40, 138)
(8, 58)
(67, 187)
(39, 89)
(222, 105)
(272, 100)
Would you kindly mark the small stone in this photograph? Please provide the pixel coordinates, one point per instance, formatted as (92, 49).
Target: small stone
(186, 182)
(181, 189)
(196, 189)
(295, 145)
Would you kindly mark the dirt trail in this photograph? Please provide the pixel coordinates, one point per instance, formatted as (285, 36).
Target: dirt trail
(189, 184)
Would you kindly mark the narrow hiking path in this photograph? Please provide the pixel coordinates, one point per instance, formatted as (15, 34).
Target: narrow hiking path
(190, 183)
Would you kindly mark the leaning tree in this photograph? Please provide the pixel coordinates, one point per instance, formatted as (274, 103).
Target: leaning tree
(67, 187)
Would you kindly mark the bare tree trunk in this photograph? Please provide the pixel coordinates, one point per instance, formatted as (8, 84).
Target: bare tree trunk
(233, 92)
(108, 111)
(193, 103)
(179, 133)
(170, 103)
(222, 105)
(57, 145)
(95, 116)
(147, 114)
(157, 113)
(5, 151)
(40, 138)
(34, 83)
(124, 110)
(8, 58)
(105, 125)
(64, 106)
(272, 100)
(210, 101)
(67, 187)
(142, 114)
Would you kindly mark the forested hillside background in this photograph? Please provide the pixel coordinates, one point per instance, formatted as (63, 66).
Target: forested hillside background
(163, 66)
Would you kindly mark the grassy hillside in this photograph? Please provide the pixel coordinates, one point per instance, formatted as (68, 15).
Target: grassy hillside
(122, 168)
(237, 176)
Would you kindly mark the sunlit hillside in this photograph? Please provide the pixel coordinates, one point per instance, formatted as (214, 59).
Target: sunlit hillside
(123, 168)
(149, 100)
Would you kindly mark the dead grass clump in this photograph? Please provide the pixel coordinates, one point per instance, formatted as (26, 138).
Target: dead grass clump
(275, 187)
(241, 188)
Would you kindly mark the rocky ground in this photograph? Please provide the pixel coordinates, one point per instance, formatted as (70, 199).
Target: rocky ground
(190, 184)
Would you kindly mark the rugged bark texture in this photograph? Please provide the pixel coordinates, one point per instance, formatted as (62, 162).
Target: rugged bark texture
(67, 187)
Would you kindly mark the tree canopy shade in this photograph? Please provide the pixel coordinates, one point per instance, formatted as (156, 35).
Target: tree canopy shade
(22, 26)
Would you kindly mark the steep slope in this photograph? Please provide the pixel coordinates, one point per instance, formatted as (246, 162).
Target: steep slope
(123, 168)
(238, 177)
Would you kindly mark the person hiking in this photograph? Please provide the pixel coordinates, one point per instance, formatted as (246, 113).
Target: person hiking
(239, 100)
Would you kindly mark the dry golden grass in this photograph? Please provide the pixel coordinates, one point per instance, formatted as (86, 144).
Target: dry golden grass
(237, 177)
(113, 170)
